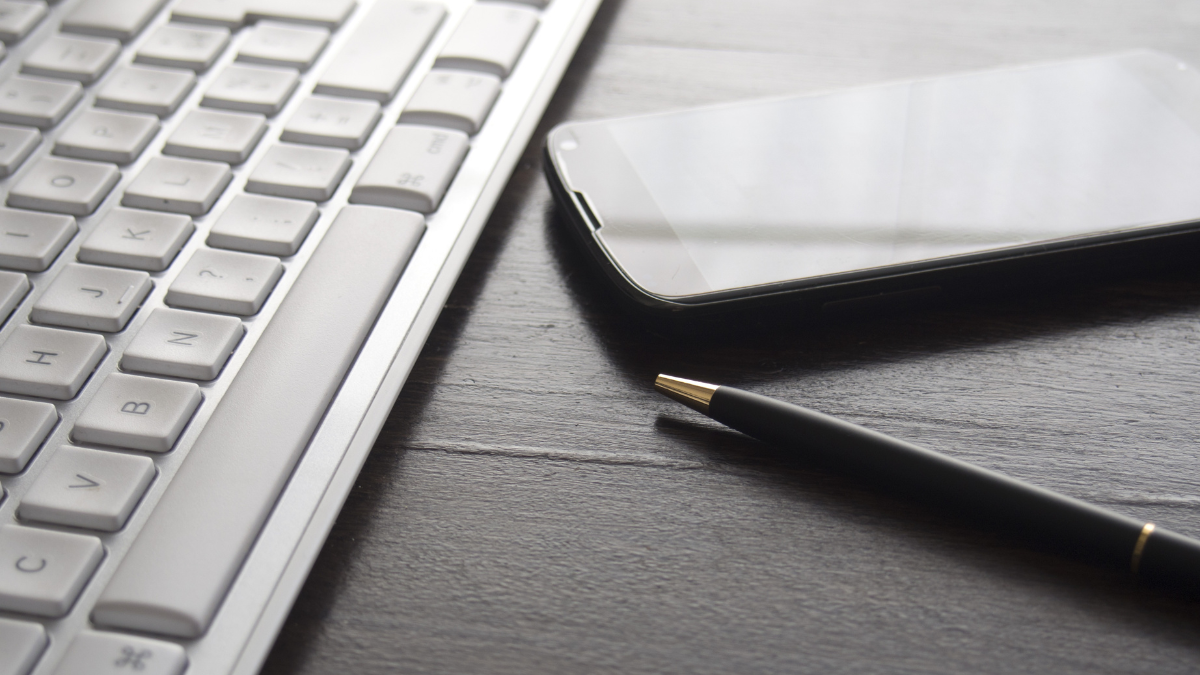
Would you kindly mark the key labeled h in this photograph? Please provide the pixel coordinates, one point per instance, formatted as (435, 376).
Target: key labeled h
(41, 359)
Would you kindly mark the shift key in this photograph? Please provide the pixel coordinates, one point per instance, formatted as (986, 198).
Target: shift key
(412, 169)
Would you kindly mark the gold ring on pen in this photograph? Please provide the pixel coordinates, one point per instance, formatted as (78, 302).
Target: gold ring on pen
(1140, 546)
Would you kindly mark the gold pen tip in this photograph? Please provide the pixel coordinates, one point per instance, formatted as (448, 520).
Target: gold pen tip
(695, 395)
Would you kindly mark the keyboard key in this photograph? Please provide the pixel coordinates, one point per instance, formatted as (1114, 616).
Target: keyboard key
(37, 103)
(325, 13)
(412, 169)
(299, 172)
(225, 13)
(192, 47)
(273, 44)
(256, 89)
(31, 241)
(140, 240)
(381, 51)
(72, 58)
(233, 13)
(330, 121)
(176, 343)
(269, 225)
(13, 289)
(48, 362)
(120, 19)
(173, 578)
(24, 426)
(85, 488)
(142, 413)
(18, 17)
(42, 572)
(224, 281)
(219, 136)
(92, 298)
(94, 653)
(64, 186)
(156, 91)
(105, 136)
(178, 185)
(454, 99)
(489, 39)
(16, 144)
(22, 643)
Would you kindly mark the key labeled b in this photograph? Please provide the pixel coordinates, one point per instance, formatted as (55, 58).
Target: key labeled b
(141, 413)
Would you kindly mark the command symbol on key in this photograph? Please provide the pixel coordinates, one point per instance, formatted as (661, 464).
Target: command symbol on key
(133, 658)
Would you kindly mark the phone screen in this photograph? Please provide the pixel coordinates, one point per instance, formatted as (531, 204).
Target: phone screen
(902, 173)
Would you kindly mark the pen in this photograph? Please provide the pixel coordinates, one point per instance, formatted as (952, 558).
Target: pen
(1150, 553)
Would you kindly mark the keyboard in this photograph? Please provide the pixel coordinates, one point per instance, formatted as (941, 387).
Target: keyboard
(227, 229)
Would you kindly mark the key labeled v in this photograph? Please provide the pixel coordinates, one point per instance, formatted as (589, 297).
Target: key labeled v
(183, 338)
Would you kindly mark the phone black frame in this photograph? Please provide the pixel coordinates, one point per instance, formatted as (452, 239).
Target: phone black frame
(1088, 260)
(1094, 255)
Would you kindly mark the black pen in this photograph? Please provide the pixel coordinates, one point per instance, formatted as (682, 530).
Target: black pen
(1150, 553)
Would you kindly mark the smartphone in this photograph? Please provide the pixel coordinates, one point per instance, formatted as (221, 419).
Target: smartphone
(895, 188)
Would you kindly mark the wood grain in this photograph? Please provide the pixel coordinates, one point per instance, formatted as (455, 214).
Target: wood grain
(533, 507)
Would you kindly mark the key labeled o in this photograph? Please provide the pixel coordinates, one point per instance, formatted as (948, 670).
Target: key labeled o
(63, 181)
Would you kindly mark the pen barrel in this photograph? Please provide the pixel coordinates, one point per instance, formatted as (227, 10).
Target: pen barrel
(1068, 524)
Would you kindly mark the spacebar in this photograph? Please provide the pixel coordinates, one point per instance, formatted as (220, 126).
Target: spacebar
(174, 577)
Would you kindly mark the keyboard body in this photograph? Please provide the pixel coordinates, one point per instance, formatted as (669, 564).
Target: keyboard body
(471, 150)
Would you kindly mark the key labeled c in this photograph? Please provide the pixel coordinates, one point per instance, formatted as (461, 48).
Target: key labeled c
(26, 564)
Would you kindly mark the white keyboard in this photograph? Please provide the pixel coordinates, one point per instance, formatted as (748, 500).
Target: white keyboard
(227, 229)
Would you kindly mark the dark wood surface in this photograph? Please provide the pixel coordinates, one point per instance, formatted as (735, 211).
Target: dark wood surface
(533, 507)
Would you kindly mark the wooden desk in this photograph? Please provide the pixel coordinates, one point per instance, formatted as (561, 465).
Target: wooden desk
(534, 507)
